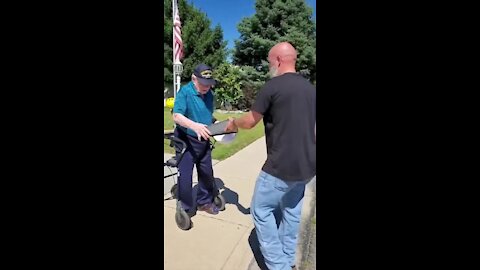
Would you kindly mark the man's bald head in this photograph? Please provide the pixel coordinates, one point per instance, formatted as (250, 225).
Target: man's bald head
(282, 58)
(284, 50)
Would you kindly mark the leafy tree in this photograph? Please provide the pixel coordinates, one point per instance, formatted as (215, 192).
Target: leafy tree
(228, 91)
(201, 43)
(237, 86)
(273, 22)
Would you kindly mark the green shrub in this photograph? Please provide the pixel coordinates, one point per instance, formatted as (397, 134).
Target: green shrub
(228, 92)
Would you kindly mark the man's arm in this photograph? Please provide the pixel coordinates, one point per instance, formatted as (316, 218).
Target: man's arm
(247, 121)
(200, 129)
(183, 121)
(259, 107)
(180, 119)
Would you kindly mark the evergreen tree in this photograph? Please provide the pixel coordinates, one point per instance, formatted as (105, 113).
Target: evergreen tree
(273, 22)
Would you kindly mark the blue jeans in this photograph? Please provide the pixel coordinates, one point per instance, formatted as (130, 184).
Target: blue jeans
(278, 245)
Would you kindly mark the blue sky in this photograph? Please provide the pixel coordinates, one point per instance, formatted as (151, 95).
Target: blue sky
(228, 13)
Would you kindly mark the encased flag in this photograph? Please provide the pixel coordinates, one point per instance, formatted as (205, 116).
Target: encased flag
(177, 36)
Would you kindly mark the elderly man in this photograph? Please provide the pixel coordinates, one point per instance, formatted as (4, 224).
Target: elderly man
(192, 112)
(287, 104)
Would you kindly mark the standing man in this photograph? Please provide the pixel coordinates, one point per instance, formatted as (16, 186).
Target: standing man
(192, 113)
(287, 104)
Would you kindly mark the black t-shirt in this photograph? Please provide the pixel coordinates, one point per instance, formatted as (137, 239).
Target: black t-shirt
(288, 105)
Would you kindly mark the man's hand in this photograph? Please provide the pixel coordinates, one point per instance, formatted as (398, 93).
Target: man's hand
(201, 130)
(231, 127)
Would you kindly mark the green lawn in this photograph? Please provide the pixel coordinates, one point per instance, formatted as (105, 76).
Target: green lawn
(221, 151)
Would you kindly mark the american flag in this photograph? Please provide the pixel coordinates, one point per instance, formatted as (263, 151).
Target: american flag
(177, 36)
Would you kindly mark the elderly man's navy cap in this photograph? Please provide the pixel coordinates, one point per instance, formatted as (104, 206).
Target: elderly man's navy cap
(204, 74)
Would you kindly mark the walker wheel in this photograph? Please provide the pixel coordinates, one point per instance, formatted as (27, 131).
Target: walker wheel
(219, 202)
(174, 191)
(183, 220)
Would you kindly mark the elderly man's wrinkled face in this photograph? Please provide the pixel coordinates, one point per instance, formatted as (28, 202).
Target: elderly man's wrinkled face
(202, 89)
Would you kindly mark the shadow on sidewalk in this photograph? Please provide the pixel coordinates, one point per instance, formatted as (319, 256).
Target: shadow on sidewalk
(255, 246)
(231, 197)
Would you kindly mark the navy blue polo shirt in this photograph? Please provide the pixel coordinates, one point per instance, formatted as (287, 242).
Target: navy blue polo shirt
(192, 105)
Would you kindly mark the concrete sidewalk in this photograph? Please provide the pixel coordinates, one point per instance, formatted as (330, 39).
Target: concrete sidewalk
(225, 241)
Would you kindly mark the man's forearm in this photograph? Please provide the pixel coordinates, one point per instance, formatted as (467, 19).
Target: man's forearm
(247, 121)
(242, 123)
(183, 121)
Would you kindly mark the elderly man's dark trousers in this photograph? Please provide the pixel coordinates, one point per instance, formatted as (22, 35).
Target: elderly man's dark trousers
(198, 153)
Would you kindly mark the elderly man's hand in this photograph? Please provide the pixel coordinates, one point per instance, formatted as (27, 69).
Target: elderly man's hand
(201, 130)
(231, 127)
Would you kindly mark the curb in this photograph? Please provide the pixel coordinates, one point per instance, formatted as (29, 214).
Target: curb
(305, 232)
